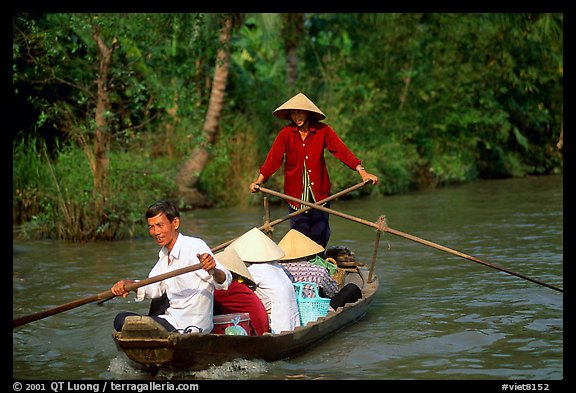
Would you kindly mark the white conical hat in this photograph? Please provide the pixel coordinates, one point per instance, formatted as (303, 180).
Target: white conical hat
(299, 101)
(232, 261)
(297, 245)
(255, 246)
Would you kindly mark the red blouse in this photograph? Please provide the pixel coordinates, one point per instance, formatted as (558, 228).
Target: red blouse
(289, 148)
(239, 298)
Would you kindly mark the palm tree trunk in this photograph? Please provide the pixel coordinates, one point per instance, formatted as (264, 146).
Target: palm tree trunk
(292, 30)
(98, 154)
(191, 169)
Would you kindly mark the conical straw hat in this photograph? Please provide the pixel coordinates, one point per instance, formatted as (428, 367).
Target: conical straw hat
(232, 261)
(297, 245)
(299, 101)
(255, 246)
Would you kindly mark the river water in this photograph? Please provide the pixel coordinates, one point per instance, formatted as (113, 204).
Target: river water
(437, 316)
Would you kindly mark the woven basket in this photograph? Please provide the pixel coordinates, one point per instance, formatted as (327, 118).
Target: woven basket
(310, 308)
(339, 277)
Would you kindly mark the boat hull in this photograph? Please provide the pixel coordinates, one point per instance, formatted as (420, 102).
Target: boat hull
(152, 348)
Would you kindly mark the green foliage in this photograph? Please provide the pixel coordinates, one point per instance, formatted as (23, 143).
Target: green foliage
(423, 99)
(230, 171)
(396, 164)
(29, 180)
(62, 199)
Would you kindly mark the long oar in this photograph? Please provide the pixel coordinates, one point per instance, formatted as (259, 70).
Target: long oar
(104, 295)
(385, 228)
(276, 222)
(297, 212)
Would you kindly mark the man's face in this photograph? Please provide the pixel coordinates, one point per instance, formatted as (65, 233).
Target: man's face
(163, 231)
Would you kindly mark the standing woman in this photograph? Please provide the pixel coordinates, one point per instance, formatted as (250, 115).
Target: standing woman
(300, 145)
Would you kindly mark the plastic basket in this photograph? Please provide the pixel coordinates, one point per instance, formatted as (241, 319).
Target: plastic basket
(310, 308)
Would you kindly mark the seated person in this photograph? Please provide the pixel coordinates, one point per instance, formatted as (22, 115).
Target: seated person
(273, 286)
(298, 249)
(239, 297)
(185, 302)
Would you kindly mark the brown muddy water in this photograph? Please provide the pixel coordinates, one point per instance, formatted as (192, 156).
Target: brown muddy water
(436, 317)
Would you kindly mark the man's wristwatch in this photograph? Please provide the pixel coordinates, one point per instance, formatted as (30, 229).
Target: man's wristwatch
(360, 169)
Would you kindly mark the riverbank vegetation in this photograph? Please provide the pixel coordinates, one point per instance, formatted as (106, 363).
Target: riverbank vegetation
(113, 111)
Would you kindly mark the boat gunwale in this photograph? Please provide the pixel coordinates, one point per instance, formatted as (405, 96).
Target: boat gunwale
(177, 336)
(288, 343)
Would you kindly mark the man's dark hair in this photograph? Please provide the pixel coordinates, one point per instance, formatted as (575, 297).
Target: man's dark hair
(169, 208)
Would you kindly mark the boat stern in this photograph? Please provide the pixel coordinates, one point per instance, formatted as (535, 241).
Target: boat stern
(145, 342)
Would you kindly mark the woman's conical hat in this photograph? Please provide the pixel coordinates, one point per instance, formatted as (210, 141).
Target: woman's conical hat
(299, 101)
(255, 246)
(232, 261)
(297, 245)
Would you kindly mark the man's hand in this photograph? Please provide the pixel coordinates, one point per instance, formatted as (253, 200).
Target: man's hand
(119, 289)
(208, 262)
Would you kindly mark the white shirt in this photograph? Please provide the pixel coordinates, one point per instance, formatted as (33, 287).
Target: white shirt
(276, 291)
(191, 295)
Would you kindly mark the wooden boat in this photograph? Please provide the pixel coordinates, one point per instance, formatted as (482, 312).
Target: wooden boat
(152, 348)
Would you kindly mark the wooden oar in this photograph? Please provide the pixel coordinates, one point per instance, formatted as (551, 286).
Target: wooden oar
(104, 295)
(276, 222)
(384, 227)
(297, 212)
